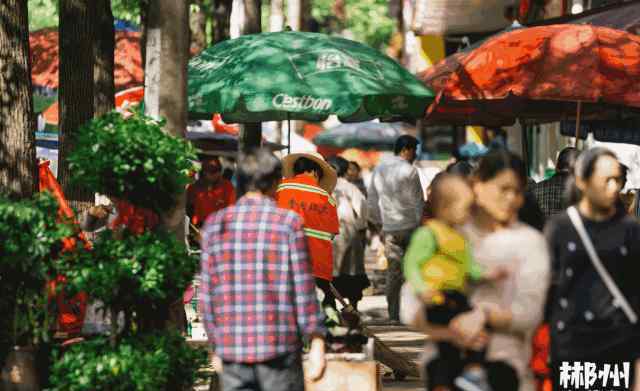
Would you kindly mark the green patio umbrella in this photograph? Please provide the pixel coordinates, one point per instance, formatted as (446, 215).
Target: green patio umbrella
(299, 75)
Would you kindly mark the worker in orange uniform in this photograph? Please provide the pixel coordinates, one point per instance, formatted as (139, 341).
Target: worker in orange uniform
(210, 193)
(306, 190)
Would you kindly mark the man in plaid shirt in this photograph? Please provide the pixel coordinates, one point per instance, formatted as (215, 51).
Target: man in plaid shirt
(550, 193)
(257, 292)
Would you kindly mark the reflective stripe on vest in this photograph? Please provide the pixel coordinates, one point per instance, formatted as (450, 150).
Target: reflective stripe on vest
(314, 233)
(309, 188)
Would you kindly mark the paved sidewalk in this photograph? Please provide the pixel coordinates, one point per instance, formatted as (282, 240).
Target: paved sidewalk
(399, 338)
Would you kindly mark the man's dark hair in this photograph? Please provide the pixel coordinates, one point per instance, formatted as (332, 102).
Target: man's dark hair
(462, 168)
(567, 160)
(303, 165)
(340, 164)
(259, 170)
(405, 142)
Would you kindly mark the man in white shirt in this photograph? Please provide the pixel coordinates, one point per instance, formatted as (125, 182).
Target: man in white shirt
(395, 203)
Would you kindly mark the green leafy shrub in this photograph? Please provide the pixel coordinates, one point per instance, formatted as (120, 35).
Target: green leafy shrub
(161, 361)
(30, 236)
(143, 273)
(132, 159)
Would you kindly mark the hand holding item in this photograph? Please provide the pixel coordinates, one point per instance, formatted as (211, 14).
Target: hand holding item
(100, 212)
(317, 361)
(428, 295)
(467, 327)
(497, 273)
(480, 342)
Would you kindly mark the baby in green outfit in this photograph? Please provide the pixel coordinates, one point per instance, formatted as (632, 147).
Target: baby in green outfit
(438, 265)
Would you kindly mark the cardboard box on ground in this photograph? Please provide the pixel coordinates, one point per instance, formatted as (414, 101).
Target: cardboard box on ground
(348, 376)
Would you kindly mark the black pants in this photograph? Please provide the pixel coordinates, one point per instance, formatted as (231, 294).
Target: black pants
(454, 304)
(501, 376)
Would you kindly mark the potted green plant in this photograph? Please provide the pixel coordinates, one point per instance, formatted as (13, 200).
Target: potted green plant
(31, 237)
(132, 159)
(137, 275)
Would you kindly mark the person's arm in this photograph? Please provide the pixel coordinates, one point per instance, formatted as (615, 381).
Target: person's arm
(476, 271)
(373, 201)
(94, 218)
(205, 297)
(636, 381)
(531, 284)
(415, 200)
(421, 248)
(332, 222)
(310, 318)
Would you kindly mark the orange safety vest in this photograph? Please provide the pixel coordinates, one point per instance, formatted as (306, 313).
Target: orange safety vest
(317, 208)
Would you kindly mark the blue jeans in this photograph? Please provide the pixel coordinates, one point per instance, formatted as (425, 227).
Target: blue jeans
(283, 373)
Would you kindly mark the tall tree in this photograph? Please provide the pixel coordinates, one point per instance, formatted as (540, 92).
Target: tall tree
(252, 17)
(222, 12)
(294, 14)
(198, 26)
(276, 16)
(143, 6)
(18, 166)
(251, 133)
(166, 94)
(76, 27)
(104, 86)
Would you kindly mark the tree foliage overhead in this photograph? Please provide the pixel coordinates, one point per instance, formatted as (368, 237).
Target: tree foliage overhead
(368, 20)
(44, 13)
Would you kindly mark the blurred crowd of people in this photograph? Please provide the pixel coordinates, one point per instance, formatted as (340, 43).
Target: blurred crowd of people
(482, 264)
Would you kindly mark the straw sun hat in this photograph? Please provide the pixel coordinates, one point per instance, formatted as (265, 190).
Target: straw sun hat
(329, 176)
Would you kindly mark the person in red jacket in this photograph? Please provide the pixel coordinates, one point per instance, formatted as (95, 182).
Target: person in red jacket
(306, 190)
(210, 193)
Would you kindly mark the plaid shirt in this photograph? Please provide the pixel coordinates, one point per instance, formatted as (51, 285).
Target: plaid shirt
(550, 194)
(257, 293)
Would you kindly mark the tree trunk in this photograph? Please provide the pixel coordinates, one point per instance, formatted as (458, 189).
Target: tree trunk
(77, 21)
(276, 18)
(104, 87)
(144, 10)
(251, 133)
(18, 165)
(305, 15)
(294, 14)
(252, 17)
(222, 12)
(166, 89)
(198, 28)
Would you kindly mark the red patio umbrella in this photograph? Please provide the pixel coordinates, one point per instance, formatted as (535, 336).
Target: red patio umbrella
(543, 74)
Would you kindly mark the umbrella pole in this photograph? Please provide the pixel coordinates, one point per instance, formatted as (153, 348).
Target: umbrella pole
(289, 133)
(525, 145)
(578, 113)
